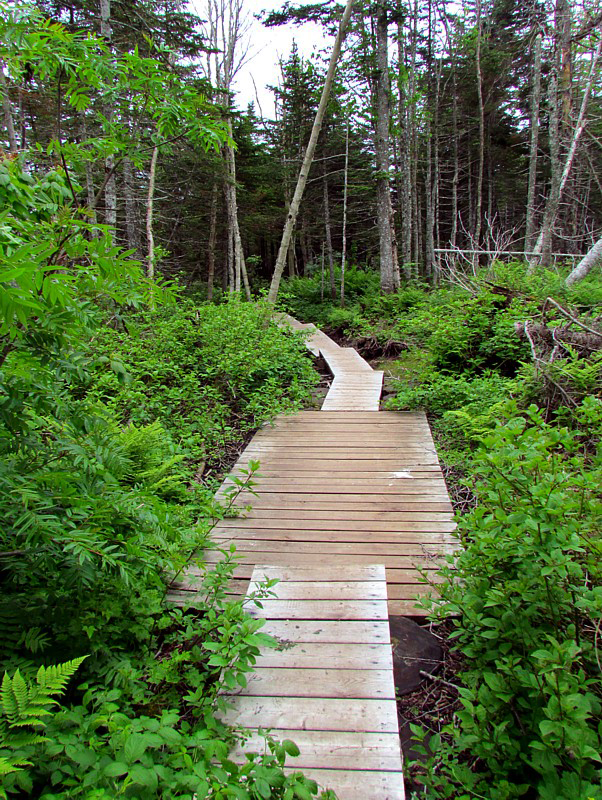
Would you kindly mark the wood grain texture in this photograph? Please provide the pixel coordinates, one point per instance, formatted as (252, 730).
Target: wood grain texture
(328, 685)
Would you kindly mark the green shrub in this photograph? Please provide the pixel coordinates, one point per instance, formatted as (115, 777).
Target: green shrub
(526, 590)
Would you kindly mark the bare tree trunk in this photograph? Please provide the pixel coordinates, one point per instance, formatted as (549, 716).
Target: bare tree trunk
(456, 176)
(413, 133)
(345, 187)
(211, 243)
(328, 236)
(405, 204)
(90, 192)
(479, 199)
(230, 238)
(590, 260)
(150, 258)
(110, 215)
(291, 258)
(322, 275)
(388, 282)
(7, 112)
(542, 249)
(535, 104)
(309, 155)
(131, 226)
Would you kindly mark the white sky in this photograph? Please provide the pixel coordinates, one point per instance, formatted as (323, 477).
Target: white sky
(266, 47)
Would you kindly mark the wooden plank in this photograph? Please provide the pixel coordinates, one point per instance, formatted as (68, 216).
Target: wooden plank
(337, 631)
(359, 784)
(352, 520)
(272, 682)
(330, 574)
(376, 751)
(432, 560)
(327, 466)
(376, 549)
(318, 609)
(303, 535)
(407, 573)
(339, 503)
(312, 655)
(327, 590)
(308, 713)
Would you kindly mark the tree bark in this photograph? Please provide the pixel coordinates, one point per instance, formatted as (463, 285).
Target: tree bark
(345, 188)
(328, 236)
(110, 214)
(481, 162)
(131, 227)
(211, 243)
(7, 112)
(590, 260)
(543, 246)
(405, 204)
(150, 239)
(309, 155)
(388, 268)
(535, 104)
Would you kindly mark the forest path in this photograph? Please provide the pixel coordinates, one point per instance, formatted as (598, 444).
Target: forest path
(350, 507)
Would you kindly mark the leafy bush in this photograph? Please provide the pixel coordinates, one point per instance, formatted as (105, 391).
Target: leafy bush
(99, 513)
(440, 393)
(526, 589)
(209, 373)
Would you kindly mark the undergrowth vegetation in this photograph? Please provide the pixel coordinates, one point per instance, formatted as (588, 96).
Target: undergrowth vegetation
(109, 413)
(509, 368)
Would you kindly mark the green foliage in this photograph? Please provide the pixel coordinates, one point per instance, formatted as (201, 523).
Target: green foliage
(209, 373)
(24, 712)
(526, 587)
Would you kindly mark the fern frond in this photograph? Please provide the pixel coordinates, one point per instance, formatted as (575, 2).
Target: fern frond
(24, 705)
(55, 678)
(7, 767)
(14, 695)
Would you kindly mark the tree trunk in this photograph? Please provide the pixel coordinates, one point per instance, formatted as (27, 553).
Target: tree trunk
(308, 158)
(110, 215)
(328, 236)
(543, 246)
(345, 187)
(405, 195)
(131, 227)
(590, 260)
(322, 275)
(388, 268)
(211, 243)
(535, 104)
(150, 258)
(7, 112)
(479, 199)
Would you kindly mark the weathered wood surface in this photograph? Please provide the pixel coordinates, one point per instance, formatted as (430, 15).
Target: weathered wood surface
(342, 488)
(350, 512)
(329, 686)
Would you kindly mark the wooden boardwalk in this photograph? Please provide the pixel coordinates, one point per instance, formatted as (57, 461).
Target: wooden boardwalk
(330, 688)
(350, 509)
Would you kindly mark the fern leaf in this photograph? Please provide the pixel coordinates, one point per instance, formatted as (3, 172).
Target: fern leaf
(54, 679)
(14, 695)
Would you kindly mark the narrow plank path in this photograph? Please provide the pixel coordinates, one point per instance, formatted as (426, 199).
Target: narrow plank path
(350, 510)
(330, 687)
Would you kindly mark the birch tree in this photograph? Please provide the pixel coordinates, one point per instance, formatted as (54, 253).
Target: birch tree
(541, 251)
(226, 31)
(308, 158)
(591, 259)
